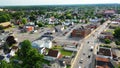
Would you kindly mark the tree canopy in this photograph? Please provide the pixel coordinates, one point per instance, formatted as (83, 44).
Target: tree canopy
(117, 32)
(31, 57)
(24, 20)
(4, 18)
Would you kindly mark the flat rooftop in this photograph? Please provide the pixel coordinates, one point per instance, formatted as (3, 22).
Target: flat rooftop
(103, 63)
(104, 51)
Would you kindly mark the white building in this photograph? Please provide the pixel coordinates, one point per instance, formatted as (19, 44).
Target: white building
(42, 43)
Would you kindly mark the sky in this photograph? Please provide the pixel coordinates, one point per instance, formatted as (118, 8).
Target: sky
(54, 2)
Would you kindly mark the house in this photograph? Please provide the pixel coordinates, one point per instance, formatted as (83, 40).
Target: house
(59, 28)
(29, 26)
(52, 55)
(5, 24)
(14, 49)
(114, 24)
(67, 60)
(94, 20)
(109, 12)
(103, 63)
(106, 35)
(80, 32)
(42, 43)
(68, 23)
(51, 20)
(104, 52)
(58, 64)
(1, 9)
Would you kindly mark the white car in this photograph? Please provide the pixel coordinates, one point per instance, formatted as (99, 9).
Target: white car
(81, 61)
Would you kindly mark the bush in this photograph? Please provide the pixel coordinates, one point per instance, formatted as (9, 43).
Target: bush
(107, 41)
(40, 24)
(105, 46)
(1, 27)
(117, 42)
(102, 21)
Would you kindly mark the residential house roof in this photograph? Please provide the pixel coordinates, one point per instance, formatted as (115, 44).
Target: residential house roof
(67, 60)
(52, 19)
(42, 43)
(109, 11)
(53, 53)
(60, 62)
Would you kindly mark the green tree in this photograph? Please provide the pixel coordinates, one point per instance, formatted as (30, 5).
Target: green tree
(8, 17)
(69, 16)
(4, 17)
(4, 64)
(107, 41)
(119, 66)
(40, 24)
(32, 18)
(18, 15)
(117, 33)
(1, 27)
(30, 56)
(24, 20)
(102, 21)
(117, 42)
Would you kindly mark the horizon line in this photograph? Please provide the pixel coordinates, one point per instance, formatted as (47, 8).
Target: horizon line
(59, 4)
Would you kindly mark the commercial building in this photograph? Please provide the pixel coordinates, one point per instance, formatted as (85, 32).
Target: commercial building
(80, 32)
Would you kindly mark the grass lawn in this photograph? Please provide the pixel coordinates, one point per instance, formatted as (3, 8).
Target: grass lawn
(110, 30)
(57, 48)
(63, 52)
(50, 26)
(68, 66)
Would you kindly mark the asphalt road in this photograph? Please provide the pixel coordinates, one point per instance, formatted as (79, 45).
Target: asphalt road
(84, 50)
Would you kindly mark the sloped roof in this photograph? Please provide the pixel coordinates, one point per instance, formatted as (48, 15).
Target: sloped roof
(41, 43)
(109, 11)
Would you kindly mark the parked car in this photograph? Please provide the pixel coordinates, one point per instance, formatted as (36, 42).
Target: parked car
(81, 61)
(89, 56)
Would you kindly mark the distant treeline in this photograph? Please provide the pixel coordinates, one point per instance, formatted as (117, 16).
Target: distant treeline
(50, 7)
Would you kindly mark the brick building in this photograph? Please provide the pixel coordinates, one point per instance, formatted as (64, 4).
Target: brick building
(80, 32)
